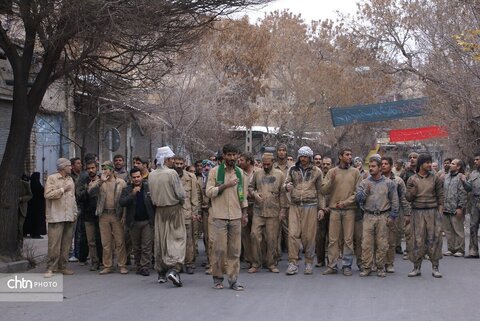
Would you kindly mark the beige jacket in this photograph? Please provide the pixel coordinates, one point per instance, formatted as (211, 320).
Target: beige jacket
(189, 183)
(99, 189)
(306, 186)
(60, 206)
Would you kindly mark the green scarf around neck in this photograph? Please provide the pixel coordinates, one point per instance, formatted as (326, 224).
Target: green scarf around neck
(238, 173)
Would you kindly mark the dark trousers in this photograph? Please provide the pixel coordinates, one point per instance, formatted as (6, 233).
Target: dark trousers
(141, 234)
(80, 245)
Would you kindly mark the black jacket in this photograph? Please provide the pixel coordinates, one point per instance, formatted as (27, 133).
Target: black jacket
(128, 200)
(87, 203)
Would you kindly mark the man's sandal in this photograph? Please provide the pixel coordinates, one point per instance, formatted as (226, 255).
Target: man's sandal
(218, 286)
(237, 287)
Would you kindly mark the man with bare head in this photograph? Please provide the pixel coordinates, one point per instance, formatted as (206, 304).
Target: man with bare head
(140, 216)
(317, 160)
(395, 228)
(340, 184)
(472, 184)
(425, 192)
(322, 228)
(228, 193)
(142, 164)
(378, 198)
(246, 162)
(411, 167)
(189, 210)
(119, 164)
(326, 165)
(454, 206)
(282, 164)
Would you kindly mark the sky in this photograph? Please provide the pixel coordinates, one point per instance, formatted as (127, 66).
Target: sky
(309, 9)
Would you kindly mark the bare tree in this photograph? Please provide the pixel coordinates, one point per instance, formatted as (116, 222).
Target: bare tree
(132, 40)
(421, 38)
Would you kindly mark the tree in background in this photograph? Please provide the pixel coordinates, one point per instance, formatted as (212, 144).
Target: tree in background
(125, 42)
(421, 38)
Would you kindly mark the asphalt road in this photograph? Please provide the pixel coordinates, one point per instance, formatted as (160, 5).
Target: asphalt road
(268, 296)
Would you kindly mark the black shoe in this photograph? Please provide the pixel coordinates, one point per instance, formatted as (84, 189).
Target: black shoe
(398, 250)
(189, 270)
(161, 278)
(472, 256)
(37, 237)
(175, 278)
(143, 272)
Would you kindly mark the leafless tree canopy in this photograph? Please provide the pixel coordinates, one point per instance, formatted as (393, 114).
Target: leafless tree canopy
(120, 43)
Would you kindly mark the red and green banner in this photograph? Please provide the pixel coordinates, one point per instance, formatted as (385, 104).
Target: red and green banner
(405, 135)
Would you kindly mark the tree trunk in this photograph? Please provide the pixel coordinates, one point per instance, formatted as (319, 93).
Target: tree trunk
(12, 167)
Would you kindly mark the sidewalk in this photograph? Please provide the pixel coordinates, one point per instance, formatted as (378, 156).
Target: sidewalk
(35, 249)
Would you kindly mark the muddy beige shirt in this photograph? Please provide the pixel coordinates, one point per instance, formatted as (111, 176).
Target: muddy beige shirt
(189, 183)
(343, 187)
(226, 205)
(270, 189)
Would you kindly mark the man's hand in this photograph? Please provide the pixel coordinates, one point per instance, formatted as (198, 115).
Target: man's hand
(340, 205)
(258, 197)
(321, 215)
(369, 188)
(67, 188)
(407, 220)
(333, 175)
(231, 182)
(244, 217)
(462, 177)
(104, 177)
(136, 189)
(283, 214)
(289, 187)
(244, 220)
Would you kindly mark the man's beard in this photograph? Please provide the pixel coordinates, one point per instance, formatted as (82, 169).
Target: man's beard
(179, 171)
(231, 163)
(267, 170)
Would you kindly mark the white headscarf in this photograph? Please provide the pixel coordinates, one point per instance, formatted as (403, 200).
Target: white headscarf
(162, 153)
(305, 151)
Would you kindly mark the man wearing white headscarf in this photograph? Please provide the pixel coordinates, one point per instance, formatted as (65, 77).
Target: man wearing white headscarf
(304, 181)
(168, 196)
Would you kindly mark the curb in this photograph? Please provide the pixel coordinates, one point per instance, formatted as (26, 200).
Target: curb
(14, 267)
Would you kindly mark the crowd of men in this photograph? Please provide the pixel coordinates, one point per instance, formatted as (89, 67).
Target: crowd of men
(253, 211)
